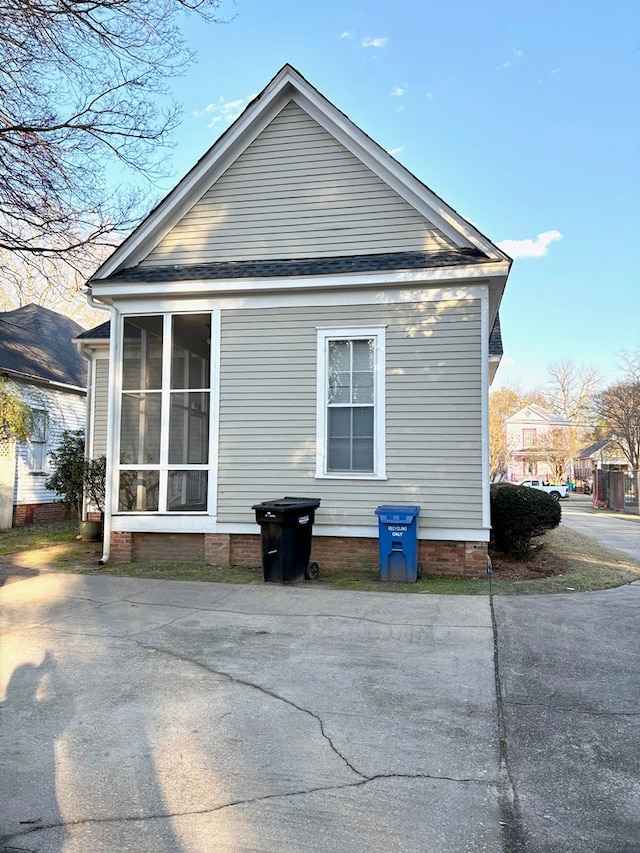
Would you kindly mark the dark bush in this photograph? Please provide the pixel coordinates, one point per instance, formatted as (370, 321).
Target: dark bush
(518, 513)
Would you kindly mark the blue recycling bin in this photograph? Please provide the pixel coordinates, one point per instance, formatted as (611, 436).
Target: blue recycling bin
(398, 540)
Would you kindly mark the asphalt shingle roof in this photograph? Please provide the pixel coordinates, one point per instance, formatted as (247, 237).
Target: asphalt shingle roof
(303, 266)
(36, 342)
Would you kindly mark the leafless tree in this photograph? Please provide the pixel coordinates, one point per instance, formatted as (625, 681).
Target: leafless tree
(570, 389)
(557, 449)
(630, 364)
(51, 282)
(619, 410)
(83, 115)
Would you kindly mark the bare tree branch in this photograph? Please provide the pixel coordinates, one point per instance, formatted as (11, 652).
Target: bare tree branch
(570, 389)
(83, 88)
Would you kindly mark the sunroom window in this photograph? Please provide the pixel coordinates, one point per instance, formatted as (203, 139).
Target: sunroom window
(164, 424)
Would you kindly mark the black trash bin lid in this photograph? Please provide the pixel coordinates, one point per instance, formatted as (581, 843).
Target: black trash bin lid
(289, 503)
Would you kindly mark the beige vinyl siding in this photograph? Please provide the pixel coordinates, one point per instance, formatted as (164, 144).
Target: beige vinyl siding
(296, 192)
(100, 406)
(433, 413)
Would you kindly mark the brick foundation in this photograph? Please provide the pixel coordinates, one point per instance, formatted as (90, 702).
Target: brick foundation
(37, 513)
(167, 547)
(121, 547)
(449, 559)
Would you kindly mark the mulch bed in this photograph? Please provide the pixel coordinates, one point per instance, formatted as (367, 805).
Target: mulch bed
(541, 563)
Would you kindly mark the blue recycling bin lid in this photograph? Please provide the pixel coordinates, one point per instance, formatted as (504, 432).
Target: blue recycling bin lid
(397, 513)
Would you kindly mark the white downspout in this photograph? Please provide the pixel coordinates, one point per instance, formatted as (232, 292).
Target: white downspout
(109, 490)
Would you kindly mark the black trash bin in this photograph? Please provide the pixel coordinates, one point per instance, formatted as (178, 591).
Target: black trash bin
(285, 526)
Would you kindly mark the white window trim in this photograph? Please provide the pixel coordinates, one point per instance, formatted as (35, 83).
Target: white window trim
(164, 391)
(41, 445)
(324, 335)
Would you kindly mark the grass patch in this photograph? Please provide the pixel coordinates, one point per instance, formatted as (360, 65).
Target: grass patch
(176, 572)
(31, 536)
(590, 566)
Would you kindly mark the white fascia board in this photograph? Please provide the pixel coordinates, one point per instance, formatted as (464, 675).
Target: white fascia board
(303, 299)
(32, 379)
(110, 290)
(299, 299)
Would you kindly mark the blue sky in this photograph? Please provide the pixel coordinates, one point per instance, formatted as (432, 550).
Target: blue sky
(524, 117)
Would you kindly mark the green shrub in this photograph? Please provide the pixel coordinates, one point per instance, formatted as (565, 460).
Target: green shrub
(518, 513)
(67, 478)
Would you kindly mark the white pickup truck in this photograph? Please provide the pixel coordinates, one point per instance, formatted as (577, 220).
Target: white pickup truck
(556, 492)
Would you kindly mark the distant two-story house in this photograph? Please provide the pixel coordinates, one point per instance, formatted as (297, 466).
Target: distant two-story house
(44, 369)
(528, 431)
(300, 316)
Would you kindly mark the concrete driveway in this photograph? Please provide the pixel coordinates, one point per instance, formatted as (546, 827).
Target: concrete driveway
(619, 533)
(162, 717)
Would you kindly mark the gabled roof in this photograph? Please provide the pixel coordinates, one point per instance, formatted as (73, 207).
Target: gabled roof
(594, 449)
(36, 344)
(469, 245)
(536, 414)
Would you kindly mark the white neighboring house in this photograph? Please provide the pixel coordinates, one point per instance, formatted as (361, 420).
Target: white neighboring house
(526, 430)
(44, 368)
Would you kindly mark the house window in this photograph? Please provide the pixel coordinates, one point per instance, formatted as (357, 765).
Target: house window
(164, 418)
(528, 437)
(38, 441)
(350, 439)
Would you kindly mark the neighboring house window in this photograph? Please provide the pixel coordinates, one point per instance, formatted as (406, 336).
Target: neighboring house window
(164, 422)
(38, 442)
(351, 402)
(528, 437)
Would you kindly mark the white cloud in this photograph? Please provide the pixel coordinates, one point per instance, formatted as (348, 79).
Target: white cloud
(376, 42)
(398, 92)
(394, 151)
(347, 34)
(222, 111)
(517, 54)
(530, 248)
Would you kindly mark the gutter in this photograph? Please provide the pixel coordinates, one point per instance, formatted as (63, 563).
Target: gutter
(109, 485)
(40, 380)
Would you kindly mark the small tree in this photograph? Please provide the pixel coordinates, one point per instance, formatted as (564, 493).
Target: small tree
(555, 449)
(519, 513)
(68, 478)
(95, 471)
(15, 416)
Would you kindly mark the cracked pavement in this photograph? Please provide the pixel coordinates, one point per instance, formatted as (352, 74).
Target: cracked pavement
(171, 717)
